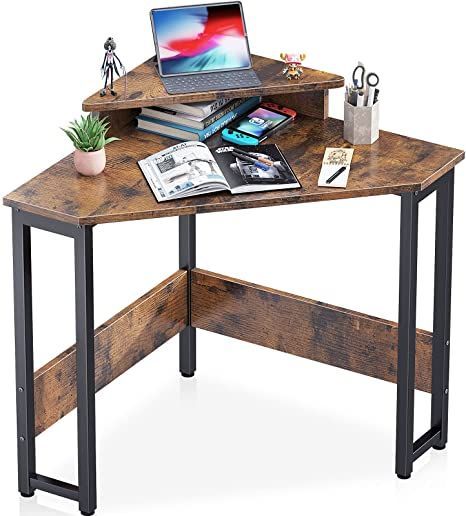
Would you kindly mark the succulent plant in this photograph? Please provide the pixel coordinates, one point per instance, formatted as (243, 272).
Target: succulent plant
(88, 133)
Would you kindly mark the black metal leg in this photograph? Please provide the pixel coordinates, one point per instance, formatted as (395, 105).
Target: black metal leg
(187, 254)
(436, 436)
(85, 370)
(442, 302)
(406, 335)
(29, 479)
(24, 354)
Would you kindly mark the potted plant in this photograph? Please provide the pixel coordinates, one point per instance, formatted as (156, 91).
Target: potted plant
(88, 135)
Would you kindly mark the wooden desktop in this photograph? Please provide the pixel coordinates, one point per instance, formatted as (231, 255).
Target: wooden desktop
(62, 201)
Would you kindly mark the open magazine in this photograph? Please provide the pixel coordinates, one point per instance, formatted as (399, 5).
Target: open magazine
(191, 168)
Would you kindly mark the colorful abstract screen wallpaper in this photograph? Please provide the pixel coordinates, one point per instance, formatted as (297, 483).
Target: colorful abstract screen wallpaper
(201, 38)
(258, 122)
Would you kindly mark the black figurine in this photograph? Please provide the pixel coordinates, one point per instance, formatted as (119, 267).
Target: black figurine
(111, 63)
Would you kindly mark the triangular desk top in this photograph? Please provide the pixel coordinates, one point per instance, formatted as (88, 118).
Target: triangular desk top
(393, 164)
(144, 87)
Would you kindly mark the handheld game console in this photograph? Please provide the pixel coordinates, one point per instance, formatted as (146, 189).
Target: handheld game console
(230, 135)
(281, 109)
(239, 137)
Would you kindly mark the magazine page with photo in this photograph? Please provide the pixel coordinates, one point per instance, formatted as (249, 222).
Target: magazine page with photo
(259, 168)
(191, 168)
(182, 169)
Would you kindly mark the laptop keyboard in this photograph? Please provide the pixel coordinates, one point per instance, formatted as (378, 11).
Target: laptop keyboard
(211, 81)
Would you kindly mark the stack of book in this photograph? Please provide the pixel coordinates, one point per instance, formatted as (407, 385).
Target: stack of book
(195, 121)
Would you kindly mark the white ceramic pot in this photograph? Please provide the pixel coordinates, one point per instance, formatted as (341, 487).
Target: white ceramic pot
(89, 163)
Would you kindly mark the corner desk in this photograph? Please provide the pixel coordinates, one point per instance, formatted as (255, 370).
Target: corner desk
(61, 201)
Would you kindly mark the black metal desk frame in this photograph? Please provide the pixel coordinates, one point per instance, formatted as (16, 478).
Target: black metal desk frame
(407, 451)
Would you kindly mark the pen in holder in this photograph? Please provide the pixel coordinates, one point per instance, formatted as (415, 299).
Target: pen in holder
(361, 123)
(362, 108)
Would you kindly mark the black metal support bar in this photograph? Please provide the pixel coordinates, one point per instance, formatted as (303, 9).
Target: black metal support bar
(84, 293)
(422, 194)
(187, 260)
(56, 487)
(51, 225)
(426, 441)
(434, 187)
(24, 354)
(442, 304)
(406, 335)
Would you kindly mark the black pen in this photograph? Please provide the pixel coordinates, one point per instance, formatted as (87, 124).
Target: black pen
(268, 162)
(253, 161)
(334, 176)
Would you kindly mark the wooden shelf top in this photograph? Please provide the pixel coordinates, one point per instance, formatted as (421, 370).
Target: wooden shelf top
(394, 164)
(144, 87)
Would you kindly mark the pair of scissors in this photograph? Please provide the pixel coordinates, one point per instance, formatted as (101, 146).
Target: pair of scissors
(360, 79)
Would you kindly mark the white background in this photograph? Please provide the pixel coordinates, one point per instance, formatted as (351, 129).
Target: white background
(256, 431)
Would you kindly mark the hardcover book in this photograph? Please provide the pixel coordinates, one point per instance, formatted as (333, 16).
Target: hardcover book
(196, 122)
(181, 132)
(200, 109)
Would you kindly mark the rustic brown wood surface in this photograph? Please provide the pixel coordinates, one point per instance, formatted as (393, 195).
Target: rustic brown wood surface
(393, 164)
(120, 343)
(310, 329)
(119, 119)
(144, 87)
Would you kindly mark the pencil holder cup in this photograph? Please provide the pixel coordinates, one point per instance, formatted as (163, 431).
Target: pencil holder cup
(361, 124)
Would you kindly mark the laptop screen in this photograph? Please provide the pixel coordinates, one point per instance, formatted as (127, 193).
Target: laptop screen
(199, 39)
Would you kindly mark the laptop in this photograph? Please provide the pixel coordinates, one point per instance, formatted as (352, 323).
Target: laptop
(202, 48)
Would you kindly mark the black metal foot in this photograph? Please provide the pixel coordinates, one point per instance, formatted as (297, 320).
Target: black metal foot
(87, 513)
(113, 92)
(187, 375)
(442, 447)
(403, 477)
(103, 93)
(30, 495)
